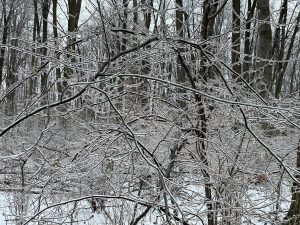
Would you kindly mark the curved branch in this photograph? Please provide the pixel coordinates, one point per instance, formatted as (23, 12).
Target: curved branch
(218, 11)
(202, 93)
(41, 109)
(144, 203)
(102, 67)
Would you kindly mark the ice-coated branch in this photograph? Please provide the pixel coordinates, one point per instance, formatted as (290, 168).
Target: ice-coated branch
(53, 105)
(104, 64)
(144, 203)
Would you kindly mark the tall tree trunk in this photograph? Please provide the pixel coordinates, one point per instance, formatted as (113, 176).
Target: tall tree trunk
(146, 66)
(235, 41)
(264, 47)
(35, 39)
(74, 13)
(6, 21)
(55, 34)
(45, 13)
(247, 42)
(206, 72)
(74, 7)
(124, 24)
(11, 77)
(135, 15)
(147, 14)
(207, 30)
(180, 73)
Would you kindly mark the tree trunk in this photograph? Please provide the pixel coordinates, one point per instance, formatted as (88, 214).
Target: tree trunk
(264, 47)
(247, 42)
(293, 215)
(146, 66)
(35, 39)
(135, 15)
(180, 73)
(293, 72)
(207, 30)
(6, 21)
(235, 41)
(11, 79)
(279, 43)
(206, 72)
(283, 65)
(74, 7)
(124, 24)
(55, 34)
(44, 77)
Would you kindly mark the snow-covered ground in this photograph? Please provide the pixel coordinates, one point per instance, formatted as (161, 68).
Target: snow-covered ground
(259, 207)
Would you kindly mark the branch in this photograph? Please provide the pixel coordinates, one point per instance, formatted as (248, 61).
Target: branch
(124, 31)
(175, 217)
(218, 11)
(144, 213)
(102, 67)
(41, 109)
(268, 148)
(203, 93)
(88, 197)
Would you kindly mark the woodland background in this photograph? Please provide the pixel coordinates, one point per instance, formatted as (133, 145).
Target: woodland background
(150, 112)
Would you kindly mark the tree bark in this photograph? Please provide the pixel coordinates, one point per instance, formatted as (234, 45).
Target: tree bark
(180, 72)
(264, 47)
(293, 215)
(247, 42)
(207, 30)
(293, 72)
(35, 39)
(6, 21)
(74, 7)
(45, 13)
(235, 41)
(124, 24)
(283, 65)
(55, 34)
(11, 78)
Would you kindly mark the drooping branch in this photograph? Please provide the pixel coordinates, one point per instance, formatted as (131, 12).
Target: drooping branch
(144, 203)
(53, 105)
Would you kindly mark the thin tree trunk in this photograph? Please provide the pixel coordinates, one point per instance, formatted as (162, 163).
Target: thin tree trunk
(135, 15)
(279, 42)
(124, 24)
(287, 58)
(35, 38)
(293, 72)
(294, 211)
(206, 72)
(11, 78)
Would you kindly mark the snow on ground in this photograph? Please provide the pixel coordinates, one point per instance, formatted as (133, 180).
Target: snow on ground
(259, 208)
